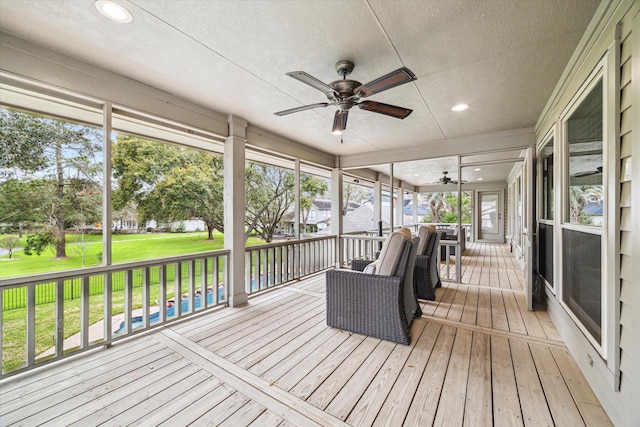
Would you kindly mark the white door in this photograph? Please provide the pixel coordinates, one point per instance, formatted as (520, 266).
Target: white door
(528, 224)
(490, 216)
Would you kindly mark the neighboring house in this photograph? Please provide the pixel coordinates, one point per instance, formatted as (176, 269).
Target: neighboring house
(318, 217)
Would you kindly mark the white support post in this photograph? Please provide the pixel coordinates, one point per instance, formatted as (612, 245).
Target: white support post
(377, 202)
(297, 200)
(400, 205)
(106, 189)
(391, 219)
(415, 209)
(336, 212)
(234, 209)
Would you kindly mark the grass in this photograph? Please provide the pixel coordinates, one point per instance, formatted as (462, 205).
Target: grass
(125, 247)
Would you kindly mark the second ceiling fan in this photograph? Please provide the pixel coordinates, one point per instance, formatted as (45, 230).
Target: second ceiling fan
(346, 94)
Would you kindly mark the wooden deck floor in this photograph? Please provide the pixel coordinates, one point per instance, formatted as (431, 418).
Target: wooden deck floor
(477, 357)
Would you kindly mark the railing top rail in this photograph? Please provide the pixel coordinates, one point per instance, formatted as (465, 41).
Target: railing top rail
(362, 237)
(92, 271)
(358, 232)
(288, 242)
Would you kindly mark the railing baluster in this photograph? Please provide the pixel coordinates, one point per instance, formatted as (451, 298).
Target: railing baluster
(191, 304)
(128, 295)
(145, 297)
(162, 293)
(59, 338)
(204, 285)
(108, 308)
(177, 290)
(31, 325)
(84, 313)
(272, 266)
(215, 282)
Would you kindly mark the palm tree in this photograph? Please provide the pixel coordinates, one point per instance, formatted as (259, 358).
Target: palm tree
(437, 204)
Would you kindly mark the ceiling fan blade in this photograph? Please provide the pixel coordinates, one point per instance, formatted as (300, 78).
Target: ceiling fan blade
(314, 83)
(340, 122)
(386, 109)
(303, 108)
(588, 173)
(395, 78)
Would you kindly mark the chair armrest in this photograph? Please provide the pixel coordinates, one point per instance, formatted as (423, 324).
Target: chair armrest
(422, 277)
(360, 264)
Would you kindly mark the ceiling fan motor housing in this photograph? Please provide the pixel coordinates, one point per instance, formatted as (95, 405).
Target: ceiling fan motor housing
(344, 68)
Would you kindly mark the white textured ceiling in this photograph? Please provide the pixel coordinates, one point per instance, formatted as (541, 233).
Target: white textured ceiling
(503, 57)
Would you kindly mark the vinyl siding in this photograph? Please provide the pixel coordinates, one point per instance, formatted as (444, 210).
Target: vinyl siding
(629, 359)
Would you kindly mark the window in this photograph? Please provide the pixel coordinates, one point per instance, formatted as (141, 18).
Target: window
(545, 223)
(546, 160)
(584, 217)
(50, 193)
(584, 138)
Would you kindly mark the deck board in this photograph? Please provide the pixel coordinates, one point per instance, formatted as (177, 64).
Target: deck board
(477, 357)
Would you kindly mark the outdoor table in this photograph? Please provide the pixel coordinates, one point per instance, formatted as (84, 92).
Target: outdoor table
(446, 244)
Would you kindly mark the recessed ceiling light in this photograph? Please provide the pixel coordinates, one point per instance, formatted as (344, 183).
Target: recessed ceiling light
(114, 11)
(460, 107)
(479, 179)
(477, 169)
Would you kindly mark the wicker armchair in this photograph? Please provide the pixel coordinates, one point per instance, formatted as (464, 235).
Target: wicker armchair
(427, 274)
(375, 305)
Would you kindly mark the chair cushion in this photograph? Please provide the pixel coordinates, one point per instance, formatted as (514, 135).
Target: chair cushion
(423, 235)
(387, 262)
(370, 268)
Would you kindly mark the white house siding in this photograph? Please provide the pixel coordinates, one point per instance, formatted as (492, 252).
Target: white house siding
(629, 286)
(619, 396)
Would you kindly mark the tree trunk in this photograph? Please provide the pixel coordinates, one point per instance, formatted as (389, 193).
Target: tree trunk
(59, 207)
(209, 232)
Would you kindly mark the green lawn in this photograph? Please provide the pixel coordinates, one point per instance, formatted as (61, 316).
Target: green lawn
(126, 247)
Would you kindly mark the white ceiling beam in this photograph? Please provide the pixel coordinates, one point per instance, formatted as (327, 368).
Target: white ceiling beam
(519, 138)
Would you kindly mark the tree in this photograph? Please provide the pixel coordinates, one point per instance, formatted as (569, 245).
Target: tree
(351, 193)
(311, 187)
(56, 154)
(269, 194)
(9, 243)
(21, 202)
(437, 205)
(167, 183)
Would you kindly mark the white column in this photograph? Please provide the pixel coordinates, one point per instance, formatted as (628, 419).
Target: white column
(415, 208)
(377, 202)
(400, 205)
(106, 190)
(296, 209)
(234, 208)
(336, 211)
(391, 220)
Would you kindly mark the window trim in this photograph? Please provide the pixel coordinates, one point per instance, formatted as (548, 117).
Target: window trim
(550, 137)
(601, 73)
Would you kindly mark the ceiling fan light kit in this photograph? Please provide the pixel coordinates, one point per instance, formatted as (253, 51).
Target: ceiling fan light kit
(347, 93)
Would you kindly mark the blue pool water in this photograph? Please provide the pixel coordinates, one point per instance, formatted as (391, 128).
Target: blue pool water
(136, 321)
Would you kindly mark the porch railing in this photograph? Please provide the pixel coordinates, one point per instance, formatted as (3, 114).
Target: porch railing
(97, 306)
(274, 264)
(360, 246)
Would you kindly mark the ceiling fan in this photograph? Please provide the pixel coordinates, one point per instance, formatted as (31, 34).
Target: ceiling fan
(346, 94)
(446, 180)
(588, 173)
